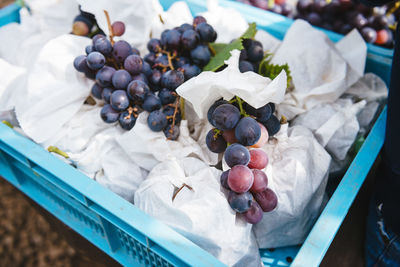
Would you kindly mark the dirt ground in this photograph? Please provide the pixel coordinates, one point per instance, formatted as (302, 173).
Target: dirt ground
(3, 3)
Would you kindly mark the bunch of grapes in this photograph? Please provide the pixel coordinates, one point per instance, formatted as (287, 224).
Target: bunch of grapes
(130, 84)
(276, 6)
(238, 125)
(251, 55)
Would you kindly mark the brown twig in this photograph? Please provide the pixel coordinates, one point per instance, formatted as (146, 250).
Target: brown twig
(179, 189)
(174, 115)
(109, 27)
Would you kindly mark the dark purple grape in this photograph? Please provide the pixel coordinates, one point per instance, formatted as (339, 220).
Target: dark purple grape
(190, 39)
(245, 66)
(190, 71)
(225, 117)
(103, 46)
(147, 70)
(133, 64)
(287, 9)
(108, 114)
(180, 61)
(106, 94)
(345, 29)
(104, 76)
(89, 49)
(161, 60)
(121, 51)
(247, 43)
(206, 32)
(157, 121)
(314, 19)
(318, 6)
(172, 79)
(151, 103)
(212, 109)
(346, 5)
(185, 26)
(163, 38)
(121, 79)
(155, 77)
(154, 45)
(169, 112)
(118, 28)
(166, 96)
(273, 125)
(150, 58)
(97, 91)
(255, 52)
(140, 77)
(95, 60)
(127, 120)
(173, 39)
(237, 154)
(247, 131)
(119, 100)
(135, 51)
(262, 114)
(266, 199)
(254, 214)
(240, 202)
(304, 6)
(200, 55)
(243, 55)
(224, 180)
(363, 9)
(198, 19)
(97, 37)
(359, 21)
(80, 63)
(379, 22)
(215, 142)
(172, 132)
(333, 8)
(137, 90)
(369, 34)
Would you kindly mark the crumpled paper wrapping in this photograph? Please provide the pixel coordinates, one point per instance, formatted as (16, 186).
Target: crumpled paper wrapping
(320, 69)
(297, 172)
(203, 90)
(203, 214)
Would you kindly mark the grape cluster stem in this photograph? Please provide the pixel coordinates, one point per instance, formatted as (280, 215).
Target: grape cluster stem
(109, 27)
(179, 189)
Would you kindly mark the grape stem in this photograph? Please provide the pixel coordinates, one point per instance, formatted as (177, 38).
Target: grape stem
(179, 189)
(7, 123)
(109, 27)
(58, 151)
(217, 132)
(240, 103)
(393, 9)
(131, 111)
(176, 105)
(170, 60)
(212, 50)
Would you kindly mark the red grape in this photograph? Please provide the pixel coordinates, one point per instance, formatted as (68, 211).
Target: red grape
(382, 37)
(260, 181)
(254, 214)
(266, 199)
(229, 136)
(240, 178)
(118, 28)
(80, 28)
(258, 159)
(263, 138)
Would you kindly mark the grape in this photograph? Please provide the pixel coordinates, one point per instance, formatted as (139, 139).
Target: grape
(369, 34)
(137, 90)
(240, 202)
(212, 109)
(333, 8)
(163, 38)
(135, 51)
(359, 21)
(303, 6)
(236, 154)
(247, 43)
(262, 114)
(247, 131)
(172, 79)
(229, 136)
(121, 79)
(80, 63)
(181, 61)
(243, 55)
(172, 134)
(314, 19)
(172, 39)
(140, 77)
(146, 70)
(224, 180)
(266, 199)
(383, 37)
(190, 38)
(273, 125)
(133, 64)
(345, 29)
(161, 60)
(225, 117)
(263, 138)
(206, 32)
(276, 9)
(154, 45)
(318, 6)
(198, 19)
(263, 4)
(108, 114)
(104, 76)
(245, 66)
(118, 28)
(260, 181)
(166, 96)
(157, 121)
(184, 27)
(97, 37)
(121, 51)
(190, 71)
(258, 159)
(255, 52)
(103, 46)
(97, 91)
(200, 55)
(119, 100)
(215, 142)
(106, 94)
(287, 9)
(169, 112)
(80, 28)
(155, 77)
(240, 178)
(254, 214)
(127, 120)
(89, 49)
(151, 103)
(272, 105)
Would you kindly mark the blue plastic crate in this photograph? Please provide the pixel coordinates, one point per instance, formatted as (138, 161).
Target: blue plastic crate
(135, 239)
(9, 14)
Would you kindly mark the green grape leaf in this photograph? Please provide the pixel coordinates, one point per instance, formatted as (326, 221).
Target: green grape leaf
(267, 69)
(222, 51)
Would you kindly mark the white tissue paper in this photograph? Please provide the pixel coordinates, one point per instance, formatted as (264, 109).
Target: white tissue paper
(203, 214)
(203, 90)
(334, 125)
(320, 69)
(148, 148)
(297, 172)
(10, 84)
(55, 91)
